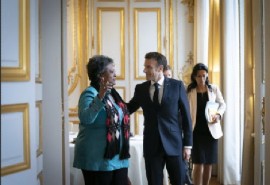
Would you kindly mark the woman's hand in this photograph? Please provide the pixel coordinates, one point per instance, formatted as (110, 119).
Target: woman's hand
(104, 87)
(216, 118)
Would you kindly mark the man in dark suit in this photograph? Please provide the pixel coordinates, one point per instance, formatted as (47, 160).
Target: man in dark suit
(167, 138)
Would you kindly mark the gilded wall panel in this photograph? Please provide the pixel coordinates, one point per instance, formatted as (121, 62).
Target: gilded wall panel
(15, 155)
(111, 37)
(147, 35)
(122, 91)
(15, 44)
(139, 121)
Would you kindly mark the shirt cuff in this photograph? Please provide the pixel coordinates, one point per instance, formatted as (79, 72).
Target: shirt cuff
(188, 147)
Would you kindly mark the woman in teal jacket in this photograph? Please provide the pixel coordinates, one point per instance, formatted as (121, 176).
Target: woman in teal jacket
(102, 145)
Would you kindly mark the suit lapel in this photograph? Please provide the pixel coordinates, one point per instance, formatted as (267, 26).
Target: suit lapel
(166, 86)
(211, 95)
(147, 91)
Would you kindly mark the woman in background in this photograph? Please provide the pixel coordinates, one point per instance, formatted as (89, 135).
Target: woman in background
(167, 71)
(205, 140)
(102, 144)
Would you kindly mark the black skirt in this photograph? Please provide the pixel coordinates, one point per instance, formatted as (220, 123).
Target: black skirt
(204, 150)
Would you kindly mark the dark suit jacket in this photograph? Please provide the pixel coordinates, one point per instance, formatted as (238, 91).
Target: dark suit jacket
(164, 126)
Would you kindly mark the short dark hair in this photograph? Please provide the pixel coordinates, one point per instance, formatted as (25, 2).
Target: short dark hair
(167, 67)
(161, 59)
(95, 67)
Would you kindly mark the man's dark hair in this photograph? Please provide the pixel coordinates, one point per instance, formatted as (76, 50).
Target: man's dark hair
(161, 59)
(167, 67)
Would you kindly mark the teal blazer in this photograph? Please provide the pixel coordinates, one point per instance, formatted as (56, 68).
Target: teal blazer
(91, 140)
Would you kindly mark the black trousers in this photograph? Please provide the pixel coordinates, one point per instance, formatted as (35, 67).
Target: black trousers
(115, 177)
(154, 169)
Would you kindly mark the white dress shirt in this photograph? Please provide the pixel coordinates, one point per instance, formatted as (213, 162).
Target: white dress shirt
(160, 86)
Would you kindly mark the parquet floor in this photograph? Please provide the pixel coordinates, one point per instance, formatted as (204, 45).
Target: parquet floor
(214, 181)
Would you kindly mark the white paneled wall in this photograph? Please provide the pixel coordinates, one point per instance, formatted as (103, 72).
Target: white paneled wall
(19, 92)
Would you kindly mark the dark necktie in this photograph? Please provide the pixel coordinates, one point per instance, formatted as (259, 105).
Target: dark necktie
(155, 97)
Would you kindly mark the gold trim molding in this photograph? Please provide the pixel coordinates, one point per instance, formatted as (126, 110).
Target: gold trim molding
(171, 33)
(21, 72)
(24, 108)
(75, 122)
(145, 1)
(40, 144)
(123, 89)
(137, 121)
(73, 112)
(73, 78)
(83, 41)
(40, 177)
(111, 1)
(77, 74)
(214, 47)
